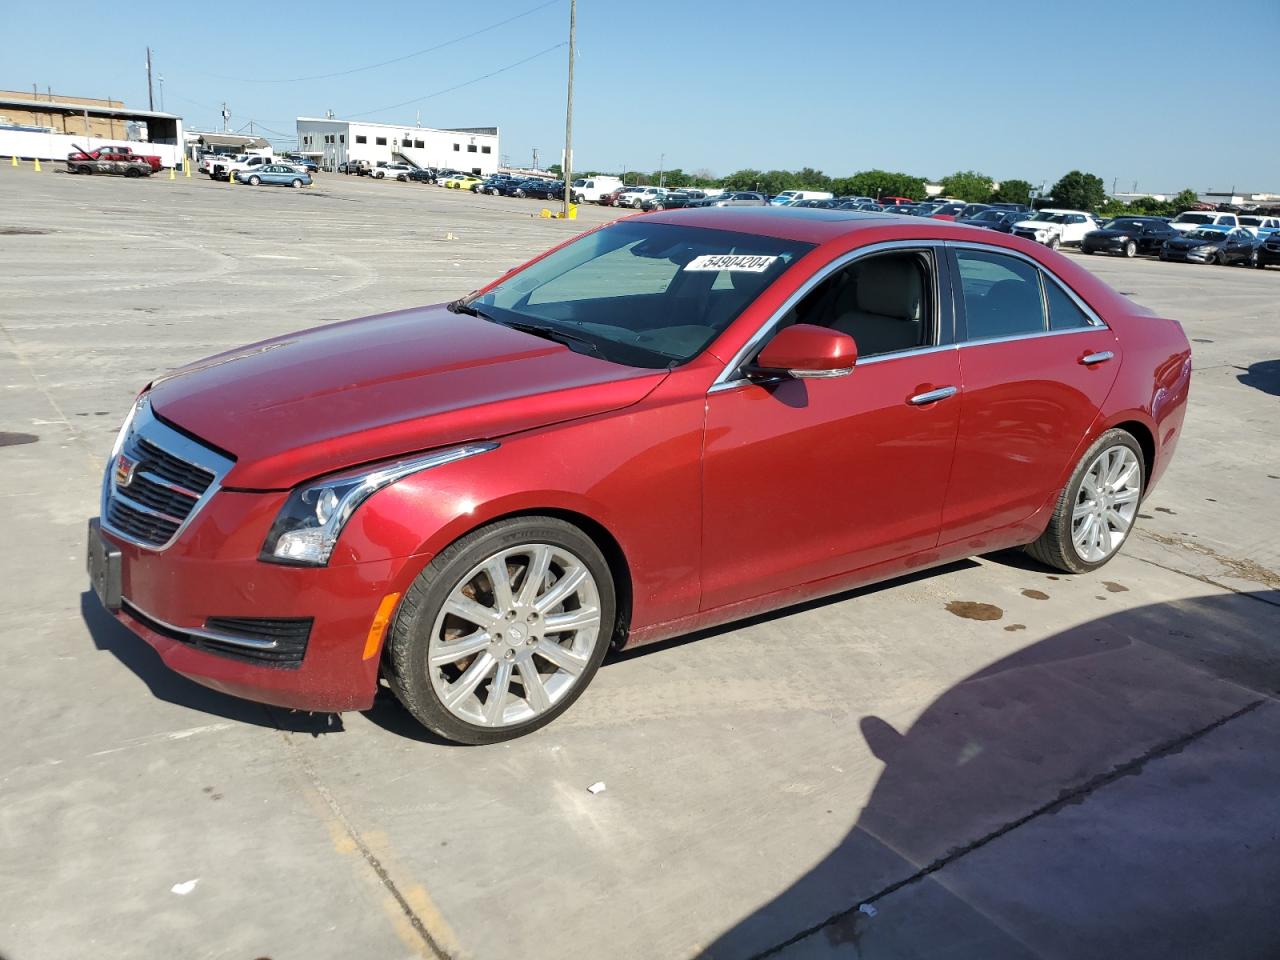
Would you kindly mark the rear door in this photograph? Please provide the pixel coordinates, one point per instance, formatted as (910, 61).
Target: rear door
(1035, 366)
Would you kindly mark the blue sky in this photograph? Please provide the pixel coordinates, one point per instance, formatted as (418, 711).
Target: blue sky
(1131, 90)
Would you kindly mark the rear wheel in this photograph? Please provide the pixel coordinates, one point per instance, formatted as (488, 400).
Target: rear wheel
(297, 184)
(503, 630)
(255, 180)
(1097, 508)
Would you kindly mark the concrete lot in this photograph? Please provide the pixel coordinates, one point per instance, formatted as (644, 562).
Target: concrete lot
(1091, 774)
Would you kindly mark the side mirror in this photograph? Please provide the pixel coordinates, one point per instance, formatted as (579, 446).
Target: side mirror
(806, 351)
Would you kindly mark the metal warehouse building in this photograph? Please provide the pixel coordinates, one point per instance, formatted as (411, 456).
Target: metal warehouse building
(331, 142)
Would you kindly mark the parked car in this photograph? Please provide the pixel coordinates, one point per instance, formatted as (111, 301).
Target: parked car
(896, 201)
(392, 171)
(684, 429)
(460, 181)
(224, 167)
(120, 164)
(303, 163)
(1268, 251)
(674, 200)
(422, 175)
(1129, 236)
(541, 189)
(787, 197)
(611, 198)
(1211, 244)
(359, 168)
(971, 210)
(1261, 227)
(491, 184)
(949, 211)
(275, 174)
(116, 153)
(636, 196)
(1004, 223)
(1015, 207)
(739, 198)
(591, 189)
(1055, 228)
(1195, 219)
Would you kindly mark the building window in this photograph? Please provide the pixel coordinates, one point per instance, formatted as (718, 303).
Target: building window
(471, 148)
(361, 138)
(381, 141)
(406, 142)
(457, 147)
(342, 138)
(486, 149)
(418, 145)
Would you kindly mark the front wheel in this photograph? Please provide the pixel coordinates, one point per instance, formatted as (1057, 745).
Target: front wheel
(1097, 508)
(1130, 249)
(86, 170)
(133, 173)
(1220, 259)
(1054, 243)
(503, 630)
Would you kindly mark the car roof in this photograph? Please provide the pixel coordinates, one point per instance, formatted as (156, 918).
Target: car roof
(807, 224)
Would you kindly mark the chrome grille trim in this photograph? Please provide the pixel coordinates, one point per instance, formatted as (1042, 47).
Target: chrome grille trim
(164, 457)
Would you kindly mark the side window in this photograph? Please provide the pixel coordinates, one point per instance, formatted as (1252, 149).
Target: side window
(884, 301)
(1063, 312)
(1001, 295)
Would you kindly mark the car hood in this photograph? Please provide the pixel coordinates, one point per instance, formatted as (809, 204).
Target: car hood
(309, 403)
(1035, 224)
(1190, 243)
(1110, 234)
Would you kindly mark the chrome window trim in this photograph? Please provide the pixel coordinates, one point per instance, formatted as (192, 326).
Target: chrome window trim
(204, 634)
(145, 423)
(725, 379)
(1090, 314)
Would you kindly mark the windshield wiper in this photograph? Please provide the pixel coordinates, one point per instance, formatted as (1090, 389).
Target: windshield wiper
(463, 305)
(552, 333)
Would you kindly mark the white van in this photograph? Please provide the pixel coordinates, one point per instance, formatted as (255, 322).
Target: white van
(788, 197)
(591, 189)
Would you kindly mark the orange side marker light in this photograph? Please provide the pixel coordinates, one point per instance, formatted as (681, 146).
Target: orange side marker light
(379, 626)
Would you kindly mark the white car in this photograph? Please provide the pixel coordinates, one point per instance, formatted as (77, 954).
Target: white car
(391, 171)
(591, 189)
(1261, 227)
(788, 197)
(1195, 219)
(222, 168)
(1056, 228)
(636, 196)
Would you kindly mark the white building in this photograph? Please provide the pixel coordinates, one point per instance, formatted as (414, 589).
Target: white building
(331, 142)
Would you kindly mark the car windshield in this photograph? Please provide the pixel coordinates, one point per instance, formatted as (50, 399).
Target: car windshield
(1193, 218)
(1134, 226)
(1250, 221)
(641, 293)
(1207, 234)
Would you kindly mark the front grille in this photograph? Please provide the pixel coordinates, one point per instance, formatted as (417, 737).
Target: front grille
(289, 635)
(171, 475)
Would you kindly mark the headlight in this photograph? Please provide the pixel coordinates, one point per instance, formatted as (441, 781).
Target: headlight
(309, 523)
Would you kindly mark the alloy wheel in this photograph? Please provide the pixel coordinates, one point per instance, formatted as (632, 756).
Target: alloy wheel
(515, 635)
(1106, 504)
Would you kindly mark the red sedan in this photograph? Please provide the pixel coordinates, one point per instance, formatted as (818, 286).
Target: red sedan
(673, 421)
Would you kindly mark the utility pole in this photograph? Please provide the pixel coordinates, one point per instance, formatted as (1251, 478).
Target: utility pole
(226, 117)
(662, 162)
(151, 99)
(568, 112)
(161, 79)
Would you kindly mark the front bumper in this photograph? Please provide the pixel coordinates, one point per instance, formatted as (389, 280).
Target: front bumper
(212, 572)
(1268, 255)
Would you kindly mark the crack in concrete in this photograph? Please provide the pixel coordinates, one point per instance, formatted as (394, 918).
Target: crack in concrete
(384, 877)
(1070, 796)
(1242, 569)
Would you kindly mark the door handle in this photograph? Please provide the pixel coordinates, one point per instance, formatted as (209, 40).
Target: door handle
(1091, 359)
(932, 396)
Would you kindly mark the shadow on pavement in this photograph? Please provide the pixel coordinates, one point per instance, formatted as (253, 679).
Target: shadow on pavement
(1264, 375)
(135, 653)
(994, 830)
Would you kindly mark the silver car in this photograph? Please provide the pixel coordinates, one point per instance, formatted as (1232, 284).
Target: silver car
(737, 199)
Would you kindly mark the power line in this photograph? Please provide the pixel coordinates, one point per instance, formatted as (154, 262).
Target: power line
(458, 86)
(407, 56)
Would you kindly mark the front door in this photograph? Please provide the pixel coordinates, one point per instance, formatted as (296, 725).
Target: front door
(806, 479)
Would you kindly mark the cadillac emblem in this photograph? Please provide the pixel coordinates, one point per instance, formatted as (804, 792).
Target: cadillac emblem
(125, 469)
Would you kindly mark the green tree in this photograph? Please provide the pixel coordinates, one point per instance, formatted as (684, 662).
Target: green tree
(879, 183)
(1012, 191)
(1185, 200)
(968, 185)
(556, 169)
(747, 179)
(1079, 191)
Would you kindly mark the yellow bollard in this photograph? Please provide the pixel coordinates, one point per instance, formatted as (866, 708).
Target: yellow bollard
(13, 161)
(573, 211)
(186, 168)
(172, 175)
(545, 214)
(36, 160)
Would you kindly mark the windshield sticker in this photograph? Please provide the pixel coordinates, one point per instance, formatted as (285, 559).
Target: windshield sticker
(729, 261)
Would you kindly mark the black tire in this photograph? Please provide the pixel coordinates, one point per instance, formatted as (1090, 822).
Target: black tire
(405, 659)
(131, 172)
(1054, 547)
(519, 193)
(85, 169)
(1054, 243)
(255, 180)
(1221, 258)
(296, 184)
(1130, 249)
(1084, 249)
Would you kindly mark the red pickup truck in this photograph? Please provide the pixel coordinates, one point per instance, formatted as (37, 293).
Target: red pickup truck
(116, 153)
